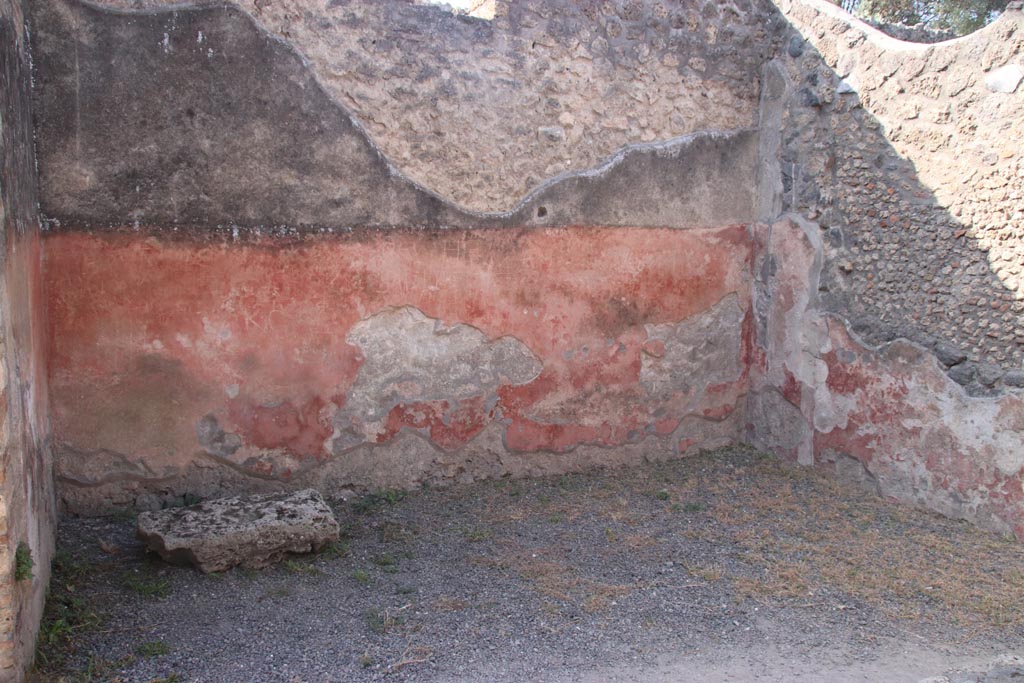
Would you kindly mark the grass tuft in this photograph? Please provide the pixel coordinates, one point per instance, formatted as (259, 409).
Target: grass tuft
(68, 615)
(154, 648)
(381, 621)
(23, 562)
(155, 587)
(374, 500)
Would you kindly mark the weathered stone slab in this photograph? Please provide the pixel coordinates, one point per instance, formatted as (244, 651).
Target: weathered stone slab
(252, 531)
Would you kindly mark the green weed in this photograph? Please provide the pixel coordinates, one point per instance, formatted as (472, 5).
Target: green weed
(23, 562)
(384, 560)
(154, 648)
(297, 567)
(147, 587)
(334, 550)
(67, 614)
(381, 621)
(375, 499)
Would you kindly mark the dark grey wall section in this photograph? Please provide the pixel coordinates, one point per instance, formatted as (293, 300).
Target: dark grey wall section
(196, 118)
(27, 503)
(17, 177)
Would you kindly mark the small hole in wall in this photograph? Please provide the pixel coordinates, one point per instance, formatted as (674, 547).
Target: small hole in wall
(542, 211)
(481, 9)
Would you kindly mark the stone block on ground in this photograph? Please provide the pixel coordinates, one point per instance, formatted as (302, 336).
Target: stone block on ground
(252, 531)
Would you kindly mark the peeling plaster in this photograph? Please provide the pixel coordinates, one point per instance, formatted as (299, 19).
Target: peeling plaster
(410, 358)
(324, 355)
(918, 435)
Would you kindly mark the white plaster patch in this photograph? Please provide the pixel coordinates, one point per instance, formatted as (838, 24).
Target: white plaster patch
(1005, 79)
(154, 346)
(411, 357)
(972, 423)
(215, 331)
(700, 350)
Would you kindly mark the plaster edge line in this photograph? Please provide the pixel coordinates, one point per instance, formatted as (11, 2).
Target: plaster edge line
(882, 350)
(667, 145)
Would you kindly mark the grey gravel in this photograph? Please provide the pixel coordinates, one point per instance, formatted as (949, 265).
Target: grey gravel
(607, 576)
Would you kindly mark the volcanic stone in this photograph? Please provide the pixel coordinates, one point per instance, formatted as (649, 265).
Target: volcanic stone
(252, 531)
(949, 354)
(1014, 378)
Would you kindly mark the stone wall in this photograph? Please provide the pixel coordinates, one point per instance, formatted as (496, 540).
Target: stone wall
(376, 244)
(888, 419)
(290, 309)
(27, 508)
(189, 136)
(909, 157)
(889, 298)
(482, 112)
(918, 33)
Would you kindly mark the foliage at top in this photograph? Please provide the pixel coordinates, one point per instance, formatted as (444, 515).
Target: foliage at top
(960, 16)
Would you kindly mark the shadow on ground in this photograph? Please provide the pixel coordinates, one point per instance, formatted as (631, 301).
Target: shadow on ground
(727, 566)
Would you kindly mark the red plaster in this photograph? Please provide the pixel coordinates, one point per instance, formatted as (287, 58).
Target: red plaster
(845, 378)
(300, 431)
(792, 389)
(654, 348)
(718, 412)
(666, 426)
(267, 322)
(448, 427)
(850, 440)
(527, 435)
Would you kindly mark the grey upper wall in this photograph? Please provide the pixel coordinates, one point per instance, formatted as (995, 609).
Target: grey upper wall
(482, 111)
(17, 177)
(199, 118)
(27, 505)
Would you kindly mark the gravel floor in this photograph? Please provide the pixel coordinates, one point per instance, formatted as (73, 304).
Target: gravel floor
(729, 566)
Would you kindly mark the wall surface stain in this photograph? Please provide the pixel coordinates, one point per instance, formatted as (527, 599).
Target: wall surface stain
(276, 359)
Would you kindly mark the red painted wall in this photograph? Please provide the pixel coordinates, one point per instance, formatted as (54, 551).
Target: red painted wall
(885, 418)
(149, 336)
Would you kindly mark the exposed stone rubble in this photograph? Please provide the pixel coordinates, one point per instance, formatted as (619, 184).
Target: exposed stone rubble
(909, 158)
(250, 531)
